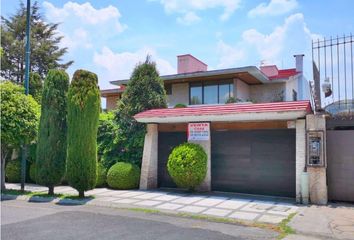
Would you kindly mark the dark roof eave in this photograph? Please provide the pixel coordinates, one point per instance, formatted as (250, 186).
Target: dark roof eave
(252, 70)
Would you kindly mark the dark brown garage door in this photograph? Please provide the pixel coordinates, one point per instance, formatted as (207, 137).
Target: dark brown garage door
(340, 165)
(254, 162)
(167, 141)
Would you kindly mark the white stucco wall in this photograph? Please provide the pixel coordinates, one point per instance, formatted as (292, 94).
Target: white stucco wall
(290, 85)
(180, 94)
(267, 92)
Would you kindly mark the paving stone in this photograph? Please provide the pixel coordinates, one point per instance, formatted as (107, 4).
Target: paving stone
(256, 207)
(232, 204)
(280, 208)
(97, 191)
(169, 206)
(271, 219)
(126, 200)
(187, 200)
(147, 203)
(209, 202)
(132, 194)
(166, 197)
(107, 199)
(217, 212)
(148, 196)
(192, 209)
(244, 215)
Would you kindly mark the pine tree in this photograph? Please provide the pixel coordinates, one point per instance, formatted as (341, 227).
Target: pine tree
(144, 91)
(52, 139)
(45, 51)
(83, 115)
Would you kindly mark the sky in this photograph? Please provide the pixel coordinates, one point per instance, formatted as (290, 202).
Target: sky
(110, 37)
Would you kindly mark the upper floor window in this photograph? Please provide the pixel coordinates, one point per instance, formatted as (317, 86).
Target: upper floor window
(210, 92)
(294, 95)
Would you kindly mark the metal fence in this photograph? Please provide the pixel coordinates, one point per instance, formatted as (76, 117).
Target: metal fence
(333, 75)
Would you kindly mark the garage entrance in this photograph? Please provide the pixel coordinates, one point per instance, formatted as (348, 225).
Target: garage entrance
(340, 165)
(167, 141)
(254, 161)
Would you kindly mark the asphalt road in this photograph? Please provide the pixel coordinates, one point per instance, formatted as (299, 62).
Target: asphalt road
(23, 220)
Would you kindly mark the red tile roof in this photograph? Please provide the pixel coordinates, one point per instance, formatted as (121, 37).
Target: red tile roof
(284, 73)
(226, 109)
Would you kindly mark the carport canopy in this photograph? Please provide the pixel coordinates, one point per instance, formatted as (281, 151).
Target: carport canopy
(228, 112)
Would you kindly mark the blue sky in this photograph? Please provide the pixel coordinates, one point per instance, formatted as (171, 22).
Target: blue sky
(110, 37)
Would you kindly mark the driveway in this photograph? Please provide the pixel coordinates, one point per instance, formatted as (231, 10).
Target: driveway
(234, 206)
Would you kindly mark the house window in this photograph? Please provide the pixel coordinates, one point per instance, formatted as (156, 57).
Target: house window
(294, 95)
(196, 94)
(168, 89)
(210, 92)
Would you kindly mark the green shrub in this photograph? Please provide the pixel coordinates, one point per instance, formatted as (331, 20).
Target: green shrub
(52, 134)
(101, 175)
(123, 176)
(83, 115)
(180, 105)
(187, 165)
(32, 172)
(13, 171)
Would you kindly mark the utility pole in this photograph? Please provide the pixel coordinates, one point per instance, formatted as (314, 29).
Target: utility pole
(27, 61)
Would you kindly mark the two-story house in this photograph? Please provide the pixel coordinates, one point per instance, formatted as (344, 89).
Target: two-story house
(194, 84)
(249, 120)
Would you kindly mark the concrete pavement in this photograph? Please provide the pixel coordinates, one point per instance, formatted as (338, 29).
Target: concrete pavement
(238, 207)
(37, 221)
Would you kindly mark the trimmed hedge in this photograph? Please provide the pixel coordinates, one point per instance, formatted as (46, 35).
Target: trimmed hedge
(13, 171)
(123, 176)
(32, 172)
(187, 165)
(52, 134)
(83, 113)
(101, 175)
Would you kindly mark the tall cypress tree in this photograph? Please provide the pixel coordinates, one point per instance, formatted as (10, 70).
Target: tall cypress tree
(83, 114)
(52, 139)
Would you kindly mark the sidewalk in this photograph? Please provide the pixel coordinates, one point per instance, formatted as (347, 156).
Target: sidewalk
(334, 221)
(233, 206)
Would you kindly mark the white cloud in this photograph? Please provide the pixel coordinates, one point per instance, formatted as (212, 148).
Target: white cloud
(188, 18)
(229, 55)
(85, 12)
(184, 6)
(82, 25)
(273, 8)
(119, 65)
(292, 37)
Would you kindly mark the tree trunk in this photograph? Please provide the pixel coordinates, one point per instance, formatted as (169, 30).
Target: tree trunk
(81, 194)
(51, 190)
(3, 187)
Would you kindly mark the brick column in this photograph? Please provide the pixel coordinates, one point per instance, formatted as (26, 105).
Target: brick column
(148, 177)
(317, 175)
(206, 144)
(300, 155)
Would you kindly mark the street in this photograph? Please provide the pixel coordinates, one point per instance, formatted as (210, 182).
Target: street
(24, 220)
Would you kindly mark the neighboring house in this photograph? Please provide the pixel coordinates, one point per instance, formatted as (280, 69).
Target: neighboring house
(195, 85)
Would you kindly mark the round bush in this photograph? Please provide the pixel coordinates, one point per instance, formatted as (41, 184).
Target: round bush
(187, 165)
(101, 175)
(123, 176)
(13, 171)
(32, 172)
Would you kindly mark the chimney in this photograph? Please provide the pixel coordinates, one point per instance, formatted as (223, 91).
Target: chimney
(188, 64)
(299, 62)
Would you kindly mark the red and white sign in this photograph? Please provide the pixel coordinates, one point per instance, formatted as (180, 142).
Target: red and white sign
(198, 131)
